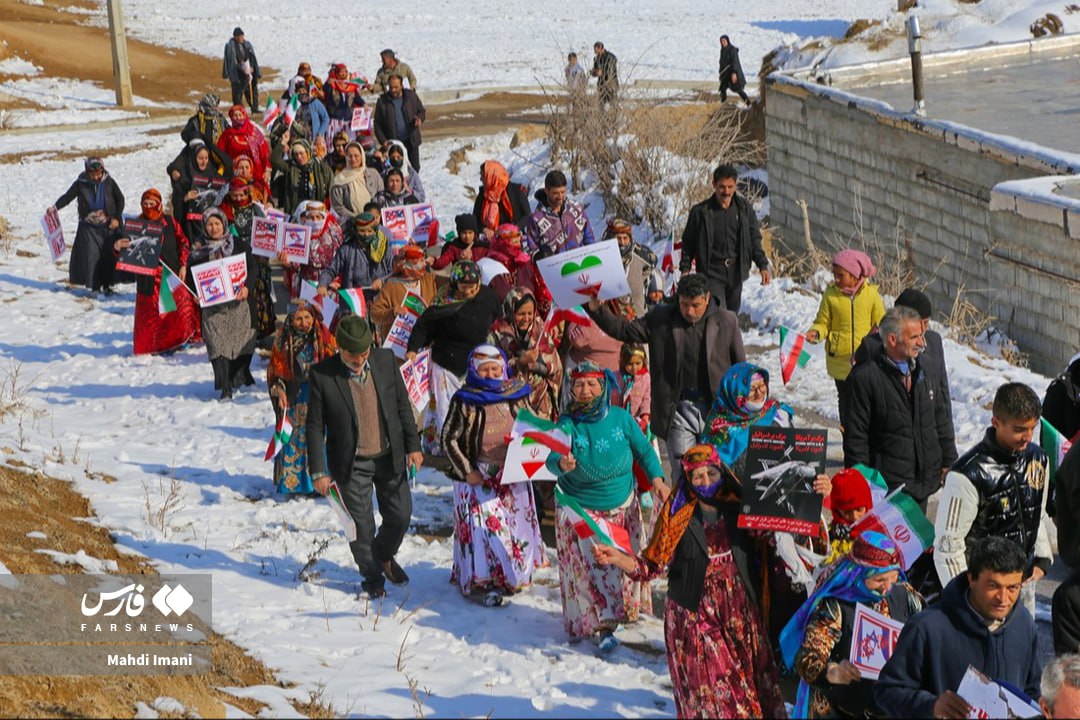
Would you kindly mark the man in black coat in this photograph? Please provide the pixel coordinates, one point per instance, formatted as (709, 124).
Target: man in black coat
(606, 71)
(241, 68)
(896, 421)
(932, 359)
(731, 73)
(398, 116)
(362, 382)
(692, 344)
(722, 238)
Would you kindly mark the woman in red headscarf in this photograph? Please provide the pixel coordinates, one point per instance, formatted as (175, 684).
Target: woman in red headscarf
(409, 271)
(506, 249)
(241, 212)
(340, 96)
(243, 138)
(157, 331)
(499, 200)
(244, 168)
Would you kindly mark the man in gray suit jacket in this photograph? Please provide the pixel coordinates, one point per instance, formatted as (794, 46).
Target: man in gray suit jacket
(692, 343)
(362, 382)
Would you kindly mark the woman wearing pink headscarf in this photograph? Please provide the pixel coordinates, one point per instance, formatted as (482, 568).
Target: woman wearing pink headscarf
(850, 308)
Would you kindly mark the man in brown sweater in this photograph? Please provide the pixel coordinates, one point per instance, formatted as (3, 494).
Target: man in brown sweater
(361, 434)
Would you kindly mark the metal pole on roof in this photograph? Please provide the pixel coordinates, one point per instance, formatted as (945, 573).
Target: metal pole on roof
(118, 40)
(914, 40)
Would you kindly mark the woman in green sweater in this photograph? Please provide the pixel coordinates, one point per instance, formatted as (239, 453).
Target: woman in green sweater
(596, 483)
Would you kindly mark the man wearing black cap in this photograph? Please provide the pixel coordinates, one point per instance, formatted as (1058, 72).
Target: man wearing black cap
(363, 382)
(692, 343)
(241, 69)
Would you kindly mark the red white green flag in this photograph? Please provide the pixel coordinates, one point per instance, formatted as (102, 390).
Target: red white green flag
(291, 109)
(169, 285)
(898, 516)
(575, 316)
(792, 353)
(271, 113)
(545, 432)
(354, 298)
(1055, 444)
(587, 526)
(282, 433)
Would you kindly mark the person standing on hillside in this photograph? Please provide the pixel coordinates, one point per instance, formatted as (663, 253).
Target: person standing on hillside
(605, 70)
(722, 238)
(241, 69)
(398, 116)
(731, 73)
(392, 67)
(101, 209)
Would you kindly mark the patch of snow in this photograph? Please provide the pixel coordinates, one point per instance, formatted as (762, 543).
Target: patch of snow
(18, 66)
(170, 705)
(87, 562)
(36, 534)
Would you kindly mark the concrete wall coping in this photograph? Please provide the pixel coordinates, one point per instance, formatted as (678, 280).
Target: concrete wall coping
(1041, 199)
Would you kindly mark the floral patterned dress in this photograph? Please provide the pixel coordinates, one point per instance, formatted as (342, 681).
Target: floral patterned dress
(719, 656)
(323, 247)
(497, 542)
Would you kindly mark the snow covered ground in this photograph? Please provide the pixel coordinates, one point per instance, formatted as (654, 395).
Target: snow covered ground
(153, 423)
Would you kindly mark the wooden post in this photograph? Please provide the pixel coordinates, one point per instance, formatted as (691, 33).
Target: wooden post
(118, 40)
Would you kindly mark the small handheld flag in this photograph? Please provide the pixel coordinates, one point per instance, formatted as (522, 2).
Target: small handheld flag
(271, 113)
(354, 298)
(167, 294)
(282, 433)
(792, 353)
(586, 526)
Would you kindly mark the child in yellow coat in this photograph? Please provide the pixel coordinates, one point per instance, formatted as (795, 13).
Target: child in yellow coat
(850, 308)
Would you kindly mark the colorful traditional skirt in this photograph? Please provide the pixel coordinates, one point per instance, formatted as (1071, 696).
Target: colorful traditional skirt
(497, 542)
(158, 333)
(719, 656)
(596, 597)
(290, 467)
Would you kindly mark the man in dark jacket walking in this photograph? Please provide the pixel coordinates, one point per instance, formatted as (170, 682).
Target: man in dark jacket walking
(606, 71)
(691, 345)
(398, 116)
(978, 622)
(241, 69)
(731, 73)
(722, 238)
(896, 421)
(358, 400)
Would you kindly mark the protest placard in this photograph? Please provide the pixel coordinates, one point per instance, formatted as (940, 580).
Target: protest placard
(525, 461)
(990, 699)
(142, 255)
(397, 340)
(219, 281)
(590, 271)
(778, 478)
(416, 374)
(873, 639)
(54, 233)
(327, 305)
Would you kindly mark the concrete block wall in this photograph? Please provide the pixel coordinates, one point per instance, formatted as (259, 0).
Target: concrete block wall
(864, 170)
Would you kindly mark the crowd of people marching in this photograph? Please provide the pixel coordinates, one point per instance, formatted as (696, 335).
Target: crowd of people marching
(662, 369)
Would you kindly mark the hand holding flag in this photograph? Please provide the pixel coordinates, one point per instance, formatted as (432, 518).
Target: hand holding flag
(792, 353)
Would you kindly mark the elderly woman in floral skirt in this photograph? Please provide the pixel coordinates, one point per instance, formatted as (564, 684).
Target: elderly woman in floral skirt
(718, 652)
(596, 481)
(497, 542)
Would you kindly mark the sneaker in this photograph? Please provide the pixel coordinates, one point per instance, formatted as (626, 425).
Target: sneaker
(493, 599)
(395, 573)
(374, 590)
(607, 643)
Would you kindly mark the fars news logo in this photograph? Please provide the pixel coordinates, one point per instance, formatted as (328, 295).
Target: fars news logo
(129, 600)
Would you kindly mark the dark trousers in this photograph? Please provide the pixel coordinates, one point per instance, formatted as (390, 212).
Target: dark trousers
(241, 91)
(1066, 616)
(727, 289)
(726, 85)
(413, 152)
(371, 549)
(842, 400)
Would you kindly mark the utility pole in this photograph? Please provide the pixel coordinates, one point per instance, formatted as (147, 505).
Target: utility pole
(914, 38)
(118, 40)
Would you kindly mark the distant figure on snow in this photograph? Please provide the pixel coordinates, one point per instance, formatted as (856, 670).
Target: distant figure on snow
(241, 69)
(605, 70)
(731, 74)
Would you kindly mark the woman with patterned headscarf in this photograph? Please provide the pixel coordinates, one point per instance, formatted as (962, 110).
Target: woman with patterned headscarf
(302, 176)
(326, 238)
(241, 211)
(499, 201)
(595, 484)
(101, 208)
(817, 640)
(532, 349)
(229, 327)
(497, 542)
(244, 169)
(456, 322)
(207, 123)
(718, 654)
(409, 272)
(506, 249)
(157, 331)
(362, 261)
(302, 341)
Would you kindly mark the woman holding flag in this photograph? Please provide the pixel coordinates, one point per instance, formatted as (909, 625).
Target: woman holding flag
(166, 315)
(596, 502)
(300, 343)
(497, 542)
(532, 346)
(718, 654)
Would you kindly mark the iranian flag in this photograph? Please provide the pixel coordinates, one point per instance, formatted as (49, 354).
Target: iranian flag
(792, 353)
(586, 526)
(354, 298)
(291, 109)
(166, 302)
(282, 433)
(271, 113)
(545, 432)
(1055, 444)
(672, 254)
(575, 316)
(898, 516)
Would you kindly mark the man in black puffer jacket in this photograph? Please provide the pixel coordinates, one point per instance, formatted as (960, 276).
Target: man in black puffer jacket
(978, 622)
(897, 421)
